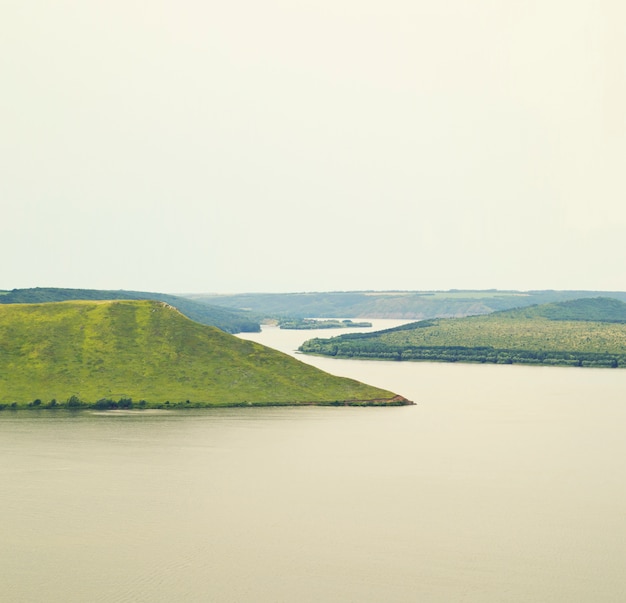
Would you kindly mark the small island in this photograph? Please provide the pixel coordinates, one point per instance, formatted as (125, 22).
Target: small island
(302, 324)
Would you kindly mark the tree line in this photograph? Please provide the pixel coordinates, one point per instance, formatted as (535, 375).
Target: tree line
(357, 348)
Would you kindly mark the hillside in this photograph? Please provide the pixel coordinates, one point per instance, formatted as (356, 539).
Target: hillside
(600, 309)
(147, 350)
(228, 320)
(586, 332)
(416, 305)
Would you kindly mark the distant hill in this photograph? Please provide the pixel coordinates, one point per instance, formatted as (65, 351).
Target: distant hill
(584, 332)
(106, 353)
(600, 309)
(231, 321)
(393, 304)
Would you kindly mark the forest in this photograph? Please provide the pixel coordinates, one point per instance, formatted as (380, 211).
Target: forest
(587, 332)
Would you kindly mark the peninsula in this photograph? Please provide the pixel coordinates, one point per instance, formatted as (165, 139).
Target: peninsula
(585, 332)
(108, 354)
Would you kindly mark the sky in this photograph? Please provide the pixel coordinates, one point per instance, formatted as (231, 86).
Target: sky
(300, 145)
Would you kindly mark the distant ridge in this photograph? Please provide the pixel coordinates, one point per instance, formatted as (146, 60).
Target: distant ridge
(230, 321)
(583, 332)
(417, 305)
(100, 352)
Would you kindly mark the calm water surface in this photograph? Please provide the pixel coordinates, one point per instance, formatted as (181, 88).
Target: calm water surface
(503, 483)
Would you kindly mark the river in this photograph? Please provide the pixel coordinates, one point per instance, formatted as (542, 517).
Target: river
(502, 484)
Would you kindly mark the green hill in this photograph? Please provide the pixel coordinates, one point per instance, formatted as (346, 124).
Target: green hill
(600, 309)
(147, 350)
(228, 320)
(585, 332)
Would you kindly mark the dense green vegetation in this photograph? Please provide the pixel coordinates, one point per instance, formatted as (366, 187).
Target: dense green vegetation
(586, 332)
(229, 320)
(312, 323)
(393, 304)
(109, 354)
(599, 309)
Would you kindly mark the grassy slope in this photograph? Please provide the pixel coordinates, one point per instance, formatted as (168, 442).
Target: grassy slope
(148, 350)
(550, 328)
(229, 320)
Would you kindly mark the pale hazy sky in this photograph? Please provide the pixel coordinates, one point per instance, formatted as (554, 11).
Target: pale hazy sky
(302, 145)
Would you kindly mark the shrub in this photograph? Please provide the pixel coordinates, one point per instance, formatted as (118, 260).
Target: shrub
(74, 401)
(125, 403)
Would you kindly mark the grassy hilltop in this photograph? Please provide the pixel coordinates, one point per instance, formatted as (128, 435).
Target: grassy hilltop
(229, 320)
(584, 332)
(147, 350)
